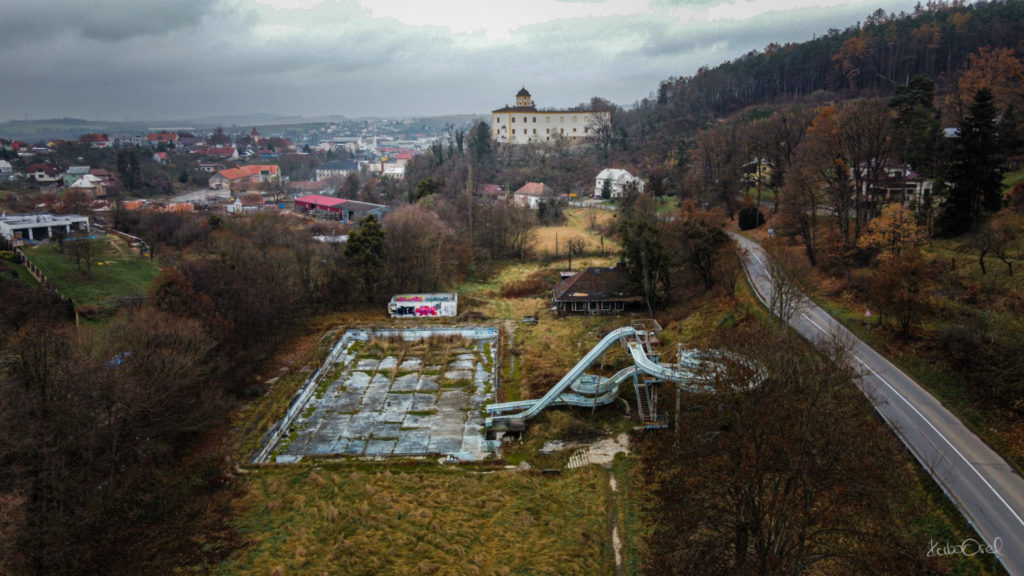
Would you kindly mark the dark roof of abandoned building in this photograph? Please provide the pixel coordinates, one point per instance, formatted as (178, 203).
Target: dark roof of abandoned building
(596, 285)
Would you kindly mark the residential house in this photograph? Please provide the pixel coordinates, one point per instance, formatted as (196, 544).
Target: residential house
(72, 174)
(757, 172)
(92, 186)
(596, 291)
(532, 194)
(220, 152)
(161, 158)
(336, 168)
(248, 202)
(96, 140)
(491, 192)
(190, 142)
(106, 177)
(5, 167)
(245, 175)
(157, 138)
(209, 167)
(896, 182)
(135, 140)
(44, 173)
(616, 179)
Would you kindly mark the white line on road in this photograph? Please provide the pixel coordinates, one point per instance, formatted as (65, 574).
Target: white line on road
(929, 423)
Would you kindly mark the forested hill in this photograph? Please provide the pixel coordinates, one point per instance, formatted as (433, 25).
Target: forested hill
(870, 59)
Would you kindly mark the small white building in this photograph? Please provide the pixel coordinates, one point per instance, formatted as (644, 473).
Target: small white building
(532, 194)
(617, 180)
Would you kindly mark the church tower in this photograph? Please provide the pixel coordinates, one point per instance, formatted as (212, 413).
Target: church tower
(523, 99)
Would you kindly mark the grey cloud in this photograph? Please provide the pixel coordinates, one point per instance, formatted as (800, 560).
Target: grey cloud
(118, 59)
(105, 20)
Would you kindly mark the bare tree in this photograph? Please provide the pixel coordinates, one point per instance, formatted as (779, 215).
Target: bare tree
(768, 481)
(575, 245)
(84, 249)
(786, 272)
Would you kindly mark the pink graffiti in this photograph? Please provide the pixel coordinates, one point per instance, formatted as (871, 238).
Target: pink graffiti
(426, 311)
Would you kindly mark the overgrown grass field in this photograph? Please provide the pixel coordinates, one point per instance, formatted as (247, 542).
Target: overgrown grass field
(583, 223)
(363, 519)
(117, 273)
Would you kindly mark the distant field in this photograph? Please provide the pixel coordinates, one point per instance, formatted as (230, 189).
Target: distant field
(116, 274)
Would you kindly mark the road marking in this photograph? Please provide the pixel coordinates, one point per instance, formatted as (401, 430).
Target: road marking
(930, 425)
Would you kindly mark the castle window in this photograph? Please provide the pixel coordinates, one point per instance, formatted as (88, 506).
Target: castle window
(513, 130)
(534, 119)
(586, 130)
(513, 119)
(524, 119)
(534, 130)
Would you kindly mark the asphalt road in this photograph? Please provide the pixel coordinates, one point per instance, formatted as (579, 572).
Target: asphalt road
(982, 485)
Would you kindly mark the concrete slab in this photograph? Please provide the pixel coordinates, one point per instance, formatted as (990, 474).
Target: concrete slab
(428, 383)
(380, 447)
(423, 403)
(383, 407)
(412, 443)
(410, 365)
(406, 383)
(367, 364)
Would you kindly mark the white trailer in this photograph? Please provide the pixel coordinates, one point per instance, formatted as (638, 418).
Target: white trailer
(424, 305)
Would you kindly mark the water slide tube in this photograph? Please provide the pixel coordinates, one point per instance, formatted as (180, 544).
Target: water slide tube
(537, 406)
(696, 371)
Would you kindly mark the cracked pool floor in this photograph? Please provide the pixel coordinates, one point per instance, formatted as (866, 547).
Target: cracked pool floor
(399, 406)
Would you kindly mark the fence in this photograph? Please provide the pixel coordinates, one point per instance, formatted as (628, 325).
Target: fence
(36, 272)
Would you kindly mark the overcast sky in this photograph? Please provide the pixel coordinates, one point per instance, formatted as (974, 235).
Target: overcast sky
(175, 59)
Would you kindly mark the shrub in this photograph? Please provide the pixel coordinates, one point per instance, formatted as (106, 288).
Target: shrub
(750, 218)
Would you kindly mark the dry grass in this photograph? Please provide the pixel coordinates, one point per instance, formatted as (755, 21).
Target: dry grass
(585, 223)
(422, 520)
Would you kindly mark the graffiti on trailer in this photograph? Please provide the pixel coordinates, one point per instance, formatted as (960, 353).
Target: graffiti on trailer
(443, 298)
(426, 311)
(414, 311)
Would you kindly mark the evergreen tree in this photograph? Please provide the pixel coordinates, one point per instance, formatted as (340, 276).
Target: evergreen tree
(367, 249)
(976, 168)
(918, 131)
(647, 261)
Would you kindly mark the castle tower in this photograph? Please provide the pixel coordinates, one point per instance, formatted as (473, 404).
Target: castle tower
(523, 98)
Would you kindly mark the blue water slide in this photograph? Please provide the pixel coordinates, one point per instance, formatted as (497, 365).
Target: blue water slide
(563, 385)
(698, 370)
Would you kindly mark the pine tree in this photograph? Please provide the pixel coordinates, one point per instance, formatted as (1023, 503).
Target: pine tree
(976, 170)
(367, 249)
